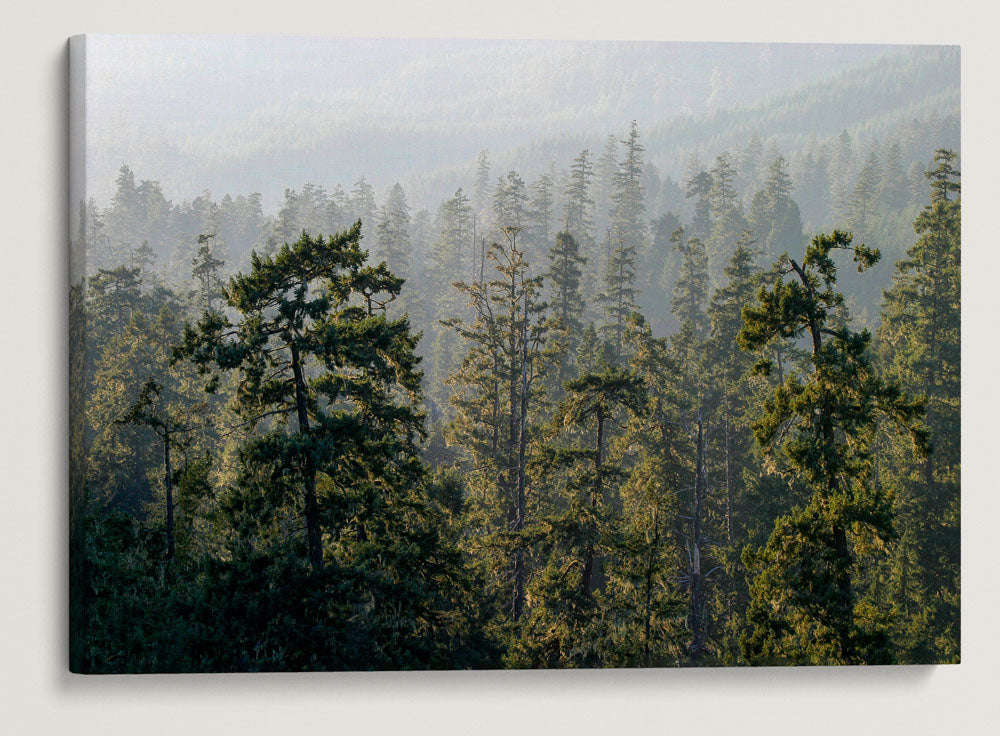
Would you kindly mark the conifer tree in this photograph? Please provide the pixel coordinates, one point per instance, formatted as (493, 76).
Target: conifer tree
(481, 190)
(730, 401)
(892, 189)
(205, 270)
(115, 295)
(510, 204)
(690, 303)
(172, 421)
(539, 223)
(774, 216)
(122, 458)
(578, 527)
(628, 217)
(337, 210)
(730, 365)
(690, 299)
(627, 240)
(662, 250)
(751, 164)
(605, 178)
(619, 294)
(361, 204)
(312, 342)
(495, 395)
(642, 596)
(804, 604)
(920, 345)
(579, 202)
(841, 173)
(864, 197)
(698, 184)
(567, 303)
(392, 233)
(727, 215)
(124, 220)
(447, 263)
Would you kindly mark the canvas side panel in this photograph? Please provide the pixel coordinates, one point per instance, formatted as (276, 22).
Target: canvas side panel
(77, 340)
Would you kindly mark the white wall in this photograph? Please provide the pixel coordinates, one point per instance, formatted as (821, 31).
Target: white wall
(36, 693)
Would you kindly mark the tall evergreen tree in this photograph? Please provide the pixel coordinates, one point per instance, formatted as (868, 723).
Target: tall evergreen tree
(539, 220)
(841, 175)
(205, 271)
(729, 451)
(627, 240)
(362, 205)
(605, 178)
(698, 184)
(774, 216)
(577, 530)
(727, 216)
(567, 304)
(447, 263)
(644, 595)
(392, 233)
(690, 303)
(481, 188)
(864, 197)
(804, 604)
(579, 202)
(510, 203)
(495, 394)
(312, 342)
(892, 189)
(920, 345)
(123, 221)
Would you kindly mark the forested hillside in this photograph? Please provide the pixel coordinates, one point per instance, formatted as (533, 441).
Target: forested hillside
(684, 396)
(276, 112)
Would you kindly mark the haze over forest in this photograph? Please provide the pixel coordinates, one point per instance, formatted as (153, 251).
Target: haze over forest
(268, 115)
(450, 353)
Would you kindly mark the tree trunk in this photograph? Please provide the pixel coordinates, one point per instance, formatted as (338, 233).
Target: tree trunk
(843, 576)
(169, 484)
(512, 359)
(314, 536)
(842, 563)
(521, 450)
(647, 610)
(588, 557)
(729, 477)
(697, 594)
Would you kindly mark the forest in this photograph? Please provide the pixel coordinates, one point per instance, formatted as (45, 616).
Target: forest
(589, 417)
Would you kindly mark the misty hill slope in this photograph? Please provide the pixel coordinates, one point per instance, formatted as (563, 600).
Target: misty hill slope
(259, 114)
(874, 100)
(870, 102)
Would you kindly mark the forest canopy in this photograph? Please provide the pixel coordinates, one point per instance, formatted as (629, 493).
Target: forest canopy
(580, 415)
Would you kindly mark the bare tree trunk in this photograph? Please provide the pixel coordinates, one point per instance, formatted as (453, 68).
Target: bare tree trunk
(482, 259)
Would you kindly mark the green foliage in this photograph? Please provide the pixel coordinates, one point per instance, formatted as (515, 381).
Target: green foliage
(496, 392)
(552, 492)
(804, 607)
(627, 240)
(567, 303)
(920, 345)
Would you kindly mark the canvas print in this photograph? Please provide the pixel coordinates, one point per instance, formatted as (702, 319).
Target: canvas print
(480, 354)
